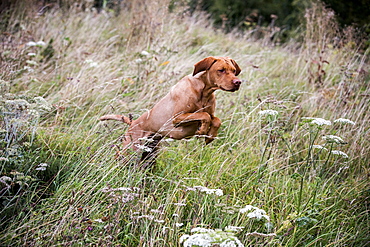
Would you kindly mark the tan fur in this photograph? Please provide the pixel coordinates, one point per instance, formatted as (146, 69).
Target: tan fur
(188, 109)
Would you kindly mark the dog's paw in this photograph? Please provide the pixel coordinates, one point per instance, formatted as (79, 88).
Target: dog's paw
(209, 139)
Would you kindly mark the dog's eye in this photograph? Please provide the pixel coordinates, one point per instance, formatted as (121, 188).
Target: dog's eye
(222, 70)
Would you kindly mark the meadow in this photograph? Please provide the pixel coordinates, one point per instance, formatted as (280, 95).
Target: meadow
(290, 166)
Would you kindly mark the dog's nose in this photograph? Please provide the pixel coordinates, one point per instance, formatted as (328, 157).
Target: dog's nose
(237, 82)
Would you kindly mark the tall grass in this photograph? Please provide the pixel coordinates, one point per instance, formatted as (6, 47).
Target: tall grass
(270, 152)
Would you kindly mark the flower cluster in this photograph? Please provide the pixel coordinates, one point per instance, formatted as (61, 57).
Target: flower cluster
(268, 113)
(316, 121)
(126, 195)
(38, 43)
(41, 167)
(217, 192)
(344, 121)
(340, 153)
(254, 212)
(208, 237)
(334, 139)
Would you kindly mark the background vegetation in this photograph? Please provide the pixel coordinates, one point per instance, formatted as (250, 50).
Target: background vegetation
(294, 142)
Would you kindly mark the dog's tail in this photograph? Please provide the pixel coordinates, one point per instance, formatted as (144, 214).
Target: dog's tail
(127, 120)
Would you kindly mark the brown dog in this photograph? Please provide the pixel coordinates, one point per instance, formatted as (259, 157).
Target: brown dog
(188, 109)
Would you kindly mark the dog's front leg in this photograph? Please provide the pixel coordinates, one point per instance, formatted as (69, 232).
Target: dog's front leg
(203, 117)
(213, 130)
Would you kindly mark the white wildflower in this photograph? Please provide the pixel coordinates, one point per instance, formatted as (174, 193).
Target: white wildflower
(246, 209)
(139, 60)
(143, 147)
(268, 113)
(179, 224)
(31, 62)
(217, 192)
(344, 121)
(150, 217)
(31, 43)
(319, 147)
(33, 113)
(146, 139)
(40, 43)
(179, 204)
(334, 139)
(31, 54)
(254, 212)
(258, 214)
(145, 53)
(159, 221)
(317, 121)
(42, 167)
(91, 63)
(210, 237)
(42, 103)
(340, 153)
(28, 68)
(17, 104)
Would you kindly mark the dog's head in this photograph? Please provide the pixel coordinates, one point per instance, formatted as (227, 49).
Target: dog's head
(221, 72)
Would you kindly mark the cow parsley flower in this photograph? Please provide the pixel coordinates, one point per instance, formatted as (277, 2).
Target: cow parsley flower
(41, 167)
(145, 53)
(209, 237)
(254, 212)
(319, 147)
(334, 139)
(316, 121)
(143, 147)
(340, 153)
(91, 63)
(217, 192)
(344, 121)
(268, 113)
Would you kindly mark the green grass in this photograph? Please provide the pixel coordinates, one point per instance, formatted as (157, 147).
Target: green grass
(87, 197)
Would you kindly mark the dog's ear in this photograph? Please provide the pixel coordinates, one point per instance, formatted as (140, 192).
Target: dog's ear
(204, 64)
(237, 68)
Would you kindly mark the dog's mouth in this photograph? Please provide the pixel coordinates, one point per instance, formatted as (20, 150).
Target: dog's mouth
(235, 88)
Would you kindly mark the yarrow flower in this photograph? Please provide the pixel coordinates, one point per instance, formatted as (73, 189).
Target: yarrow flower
(41, 167)
(145, 53)
(143, 147)
(91, 63)
(268, 113)
(39, 43)
(254, 212)
(340, 153)
(319, 147)
(316, 121)
(209, 237)
(334, 139)
(344, 121)
(217, 192)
